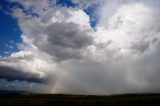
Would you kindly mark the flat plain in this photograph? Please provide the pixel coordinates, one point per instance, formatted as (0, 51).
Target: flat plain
(27, 99)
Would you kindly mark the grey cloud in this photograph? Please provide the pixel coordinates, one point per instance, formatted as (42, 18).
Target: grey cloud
(12, 74)
(62, 39)
(108, 65)
(142, 47)
(65, 40)
(67, 35)
(123, 75)
(92, 77)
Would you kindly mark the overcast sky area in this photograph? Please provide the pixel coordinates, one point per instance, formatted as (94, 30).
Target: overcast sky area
(80, 46)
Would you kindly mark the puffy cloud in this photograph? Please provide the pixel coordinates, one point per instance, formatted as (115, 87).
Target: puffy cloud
(65, 35)
(130, 34)
(122, 59)
(66, 42)
(60, 46)
(62, 35)
(25, 66)
(128, 23)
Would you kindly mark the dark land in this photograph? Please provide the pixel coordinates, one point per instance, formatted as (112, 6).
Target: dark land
(27, 99)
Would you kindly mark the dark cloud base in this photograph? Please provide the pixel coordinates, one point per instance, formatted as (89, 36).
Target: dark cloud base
(12, 74)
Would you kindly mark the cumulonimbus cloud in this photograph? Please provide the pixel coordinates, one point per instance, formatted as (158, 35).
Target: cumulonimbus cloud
(120, 56)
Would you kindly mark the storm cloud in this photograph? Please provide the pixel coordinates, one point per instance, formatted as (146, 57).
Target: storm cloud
(120, 55)
(12, 74)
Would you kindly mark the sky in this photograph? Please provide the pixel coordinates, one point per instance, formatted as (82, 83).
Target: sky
(80, 46)
(9, 31)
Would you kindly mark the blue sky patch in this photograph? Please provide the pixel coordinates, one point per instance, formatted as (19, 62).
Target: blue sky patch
(66, 3)
(9, 31)
(93, 18)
